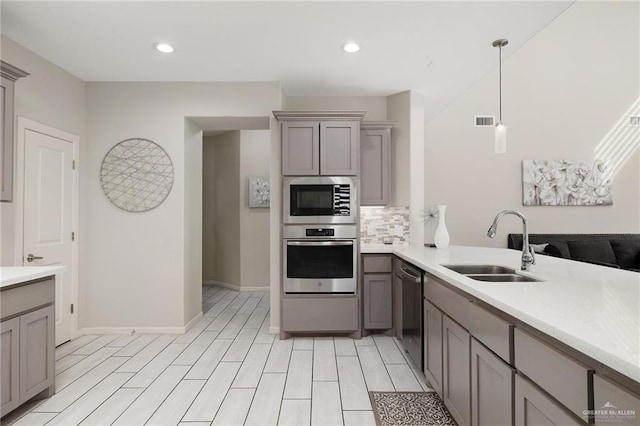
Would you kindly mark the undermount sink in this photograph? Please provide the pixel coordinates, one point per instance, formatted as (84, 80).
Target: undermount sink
(491, 273)
(503, 278)
(480, 269)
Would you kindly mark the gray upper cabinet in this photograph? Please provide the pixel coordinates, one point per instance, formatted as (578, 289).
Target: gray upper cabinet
(323, 143)
(9, 75)
(375, 165)
(300, 148)
(339, 148)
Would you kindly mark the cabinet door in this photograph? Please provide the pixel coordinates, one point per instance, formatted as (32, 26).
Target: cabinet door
(339, 142)
(491, 388)
(36, 351)
(300, 148)
(378, 301)
(456, 377)
(397, 309)
(9, 365)
(6, 139)
(606, 394)
(375, 154)
(433, 346)
(533, 408)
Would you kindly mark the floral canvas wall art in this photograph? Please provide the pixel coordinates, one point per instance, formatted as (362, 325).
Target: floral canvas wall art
(259, 192)
(565, 183)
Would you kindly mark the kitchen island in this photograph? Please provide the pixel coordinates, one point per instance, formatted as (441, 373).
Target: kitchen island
(27, 327)
(585, 313)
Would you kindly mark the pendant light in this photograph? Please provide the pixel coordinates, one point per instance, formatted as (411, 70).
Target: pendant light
(500, 143)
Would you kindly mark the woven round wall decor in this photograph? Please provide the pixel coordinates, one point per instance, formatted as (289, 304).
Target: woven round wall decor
(136, 175)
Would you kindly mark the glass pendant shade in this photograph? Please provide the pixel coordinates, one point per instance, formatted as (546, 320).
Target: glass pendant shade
(500, 146)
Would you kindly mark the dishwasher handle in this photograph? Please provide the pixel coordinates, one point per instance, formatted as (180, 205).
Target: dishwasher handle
(411, 274)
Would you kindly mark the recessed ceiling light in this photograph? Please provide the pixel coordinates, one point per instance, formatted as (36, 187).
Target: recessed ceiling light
(164, 47)
(351, 47)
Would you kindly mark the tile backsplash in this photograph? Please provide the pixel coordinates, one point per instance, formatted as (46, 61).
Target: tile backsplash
(379, 225)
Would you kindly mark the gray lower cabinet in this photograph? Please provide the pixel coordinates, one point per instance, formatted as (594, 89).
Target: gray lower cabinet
(27, 343)
(36, 351)
(320, 314)
(534, 408)
(378, 301)
(377, 292)
(614, 405)
(456, 378)
(375, 167)
(561, 376)
(432, 346)
(491, 388)
(9, 365)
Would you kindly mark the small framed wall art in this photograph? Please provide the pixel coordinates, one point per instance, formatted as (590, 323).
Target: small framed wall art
(259, 191)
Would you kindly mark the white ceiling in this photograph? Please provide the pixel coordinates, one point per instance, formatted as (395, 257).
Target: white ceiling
(436, 48)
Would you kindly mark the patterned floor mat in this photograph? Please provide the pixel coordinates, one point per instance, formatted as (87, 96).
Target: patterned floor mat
(409, 408)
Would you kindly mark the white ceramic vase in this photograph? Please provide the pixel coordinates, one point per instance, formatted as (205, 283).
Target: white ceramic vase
(441, 237)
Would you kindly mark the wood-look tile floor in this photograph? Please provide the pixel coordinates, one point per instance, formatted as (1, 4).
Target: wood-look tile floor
(227, 370)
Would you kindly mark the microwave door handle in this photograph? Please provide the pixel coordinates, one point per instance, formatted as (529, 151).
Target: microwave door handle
(319, 243)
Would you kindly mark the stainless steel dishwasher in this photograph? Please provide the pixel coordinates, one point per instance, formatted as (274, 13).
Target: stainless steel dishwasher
(412, 312)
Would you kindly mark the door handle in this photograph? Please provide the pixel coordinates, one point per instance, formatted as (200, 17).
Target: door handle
(414, 277)
(31, 258)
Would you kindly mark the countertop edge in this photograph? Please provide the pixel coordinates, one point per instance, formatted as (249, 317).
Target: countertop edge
(15, 277)
(587, 348)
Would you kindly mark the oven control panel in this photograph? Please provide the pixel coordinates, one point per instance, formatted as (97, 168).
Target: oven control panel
(320, 232)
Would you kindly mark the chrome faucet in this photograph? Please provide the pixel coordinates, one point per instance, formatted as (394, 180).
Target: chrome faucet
(528, 258)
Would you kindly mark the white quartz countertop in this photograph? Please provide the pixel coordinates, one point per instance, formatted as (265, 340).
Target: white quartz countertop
(11, 275)
(594, 309)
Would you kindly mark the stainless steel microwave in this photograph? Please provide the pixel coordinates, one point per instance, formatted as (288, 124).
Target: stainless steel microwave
(319, 199)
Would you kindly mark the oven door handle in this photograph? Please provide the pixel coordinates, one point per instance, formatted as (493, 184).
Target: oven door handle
(319, 243)
(413, 277)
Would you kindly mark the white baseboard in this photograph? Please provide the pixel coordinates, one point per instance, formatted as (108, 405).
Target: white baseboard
(131, 330)
(141, 330)
(234, 287)
(193, 321)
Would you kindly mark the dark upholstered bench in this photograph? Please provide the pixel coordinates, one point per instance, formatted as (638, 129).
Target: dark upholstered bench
(614, 250)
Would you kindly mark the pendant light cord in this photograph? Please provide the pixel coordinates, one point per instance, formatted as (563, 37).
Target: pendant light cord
(500, 73)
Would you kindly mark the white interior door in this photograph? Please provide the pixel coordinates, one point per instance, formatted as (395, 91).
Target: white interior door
(48, 186)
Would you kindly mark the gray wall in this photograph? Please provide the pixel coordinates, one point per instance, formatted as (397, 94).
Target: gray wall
(192, 221)
(135, 265)
(563, 92)
(376, 106)
(254, 222)
(236, 237)
(50, 96)
(226, 209)
(399, 111)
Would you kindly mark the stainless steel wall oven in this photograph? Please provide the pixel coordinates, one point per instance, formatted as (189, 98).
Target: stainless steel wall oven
(320, 259)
